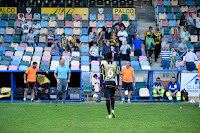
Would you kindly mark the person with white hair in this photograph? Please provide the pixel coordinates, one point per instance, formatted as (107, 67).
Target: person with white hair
(165, 42)
(190, 58)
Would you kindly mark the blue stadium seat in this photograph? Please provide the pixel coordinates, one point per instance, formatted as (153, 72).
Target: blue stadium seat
(44, 23)
(84, 31)
(176, 9)
(190, 2)
(15, 63)
(18, 31)
(86, 76)
(16, 38)
(7, 38)
(25, 63)
(85, 49)
(93, 17)
(169, 38)
(85, 60)
(12, 17)
(28, 53)
(17, 58)
(84, 53)
(172, 23)
(45, 17)
(4, 16)
(133, 58)
(87, 87)
(134, 63)
(68, 31)
(108, 17)
(36, 16)
(75, 58)
(182, 3)
(60, 24)
(41, 45)
(5, 63)
(22, 67)
(58, 37)
(56, 58)
(124, 17)
(166, 30)
(168, 9)
(197, 2)
(170, 16)
(85, 24)
(84, 39)
(3, 49)
(52, 16)
(2, 23)
(101, 24)
(144, 63)
(37, 53)
(2, 31)
(161, 9)
(95, 68)
(167, 3)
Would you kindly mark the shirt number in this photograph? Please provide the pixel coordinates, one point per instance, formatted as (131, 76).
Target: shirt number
(110, 73)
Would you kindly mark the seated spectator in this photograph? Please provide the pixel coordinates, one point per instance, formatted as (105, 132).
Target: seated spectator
(150, 45)
(190, 58)
(100, 40)
(175, 36)
(94, 52)
(108, 34)
(55, 48)
(117, 52)
(158, 90)
(90, 37)
(31, 39)
(165, 42)
(21, 20)
(64, 46)
(106, 49)
(137, 46)
(185, 35)
(113, 39)
(50, 38)
(131, 28)
(125, 51)
(25, 30)
(117, 29)
(190, 24)
(75, 43)
(120, 24)
(182, 47)
(122, 35)
(36, 28)
(165, 57)
(173, 90)
(198, 24)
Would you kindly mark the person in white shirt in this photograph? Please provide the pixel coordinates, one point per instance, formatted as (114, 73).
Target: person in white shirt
(122, 35)
(198, 25)
(124, 49)
(21, 20)
(185, 35)
(190, 57)
(94, 52)
(36, 28)
(190, 24)
(165, 42)
(25, 30)
(90, 37)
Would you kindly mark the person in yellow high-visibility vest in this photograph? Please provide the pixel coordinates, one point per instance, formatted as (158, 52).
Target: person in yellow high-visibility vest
(173, 90)
(158, 90)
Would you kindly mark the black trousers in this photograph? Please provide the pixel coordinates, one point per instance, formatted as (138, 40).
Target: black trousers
(157, 50)
(126, 57)
(197, 32)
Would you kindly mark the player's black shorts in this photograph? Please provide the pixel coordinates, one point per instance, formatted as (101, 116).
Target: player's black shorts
(46, 86)
(109, 90)
(31, 85)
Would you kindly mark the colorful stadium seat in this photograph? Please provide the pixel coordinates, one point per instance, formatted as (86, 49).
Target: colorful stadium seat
(116, 17)
(85, 24)
(68, 24)
(77, 17)
(190, 2)
(2, 23)
(161, 9)
(159, 2)
(101, 23)
(68, 16)
(44, 23)
(2, 31)
(108, 17)
(85, 17)
(84, 31)
(61, 17)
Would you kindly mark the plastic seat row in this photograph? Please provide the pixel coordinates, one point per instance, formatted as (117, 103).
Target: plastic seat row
(178, 2)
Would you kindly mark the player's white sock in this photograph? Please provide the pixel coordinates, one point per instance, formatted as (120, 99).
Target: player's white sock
(24, 99)
(31, 98)
(128, 100)
(122, 99)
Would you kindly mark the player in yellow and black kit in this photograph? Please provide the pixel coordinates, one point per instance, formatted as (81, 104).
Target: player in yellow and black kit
(108, 70)
(44, 84)
(157, 39)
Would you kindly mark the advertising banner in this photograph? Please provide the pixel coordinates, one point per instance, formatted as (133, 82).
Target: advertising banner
(76, 11)
(121, 11)
(8, 10)
(52, 10)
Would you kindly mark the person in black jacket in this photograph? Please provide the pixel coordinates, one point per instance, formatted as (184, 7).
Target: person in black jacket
(183, 20)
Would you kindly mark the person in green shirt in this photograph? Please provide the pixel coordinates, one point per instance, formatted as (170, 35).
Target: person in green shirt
(150, 45)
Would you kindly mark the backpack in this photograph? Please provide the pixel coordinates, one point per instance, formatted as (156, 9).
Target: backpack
(184, 95)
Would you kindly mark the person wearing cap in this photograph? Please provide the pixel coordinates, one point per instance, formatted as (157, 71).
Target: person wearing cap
(157, 39)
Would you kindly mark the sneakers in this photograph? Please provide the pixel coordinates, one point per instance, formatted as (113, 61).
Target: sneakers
(63, 102)
(23, 100)
(113, 114)
(50, 101)
(32, 101)
(109, 117)
(56, 101)
(122, 101)
(38, 101)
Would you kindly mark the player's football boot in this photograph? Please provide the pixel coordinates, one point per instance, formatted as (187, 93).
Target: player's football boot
(109, 117)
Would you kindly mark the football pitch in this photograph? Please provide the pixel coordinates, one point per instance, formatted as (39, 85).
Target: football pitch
(91, 118)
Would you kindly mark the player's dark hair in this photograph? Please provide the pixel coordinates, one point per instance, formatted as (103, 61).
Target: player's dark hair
(150, 27)
(34, 63)
(95, 75)
(158, 78)
(109, 56)
(173, 77)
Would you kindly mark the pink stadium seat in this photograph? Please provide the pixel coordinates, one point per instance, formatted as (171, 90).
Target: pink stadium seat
(101, 17)
(65, 53)
(116, 17)
(9, 53)
(17, 22)
(109, 24)
(159, 3)
(174, 2)
(85, 68)
(179, 63)
(164, 23)
(61, 16)
(85, 17)
(94, 30)
(11, 67)
(94, 63)
(74, 67)
(76, 16)
(68, 23)
(198, 53)
(47, 49)
(46, 58)
(194, 38)
(192, 9)
(142, 58)
(29, 16)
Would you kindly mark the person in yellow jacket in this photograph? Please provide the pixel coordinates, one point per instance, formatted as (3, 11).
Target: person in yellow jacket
(158, 90)
(44, 83)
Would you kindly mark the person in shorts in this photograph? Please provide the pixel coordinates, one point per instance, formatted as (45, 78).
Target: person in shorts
(150, 45)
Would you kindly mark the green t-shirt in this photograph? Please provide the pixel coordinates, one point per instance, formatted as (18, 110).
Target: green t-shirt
(149, 42)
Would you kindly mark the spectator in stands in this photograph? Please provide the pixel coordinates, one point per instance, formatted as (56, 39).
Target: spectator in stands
(31, 39)
(21, 20)
(165, 57)
(101, 38)
(185, 35)
(150, 45)
(190, 24)
(128, 81)
(95, 37)
(100, 94)
(122, 35)
(183, 20)
(173, 90)
(158, 90)
(55, 48)
(22, 3)
(120, 24)
(94, 52)
(117, 29)
(198, 25)
(106, 49)
(96, 83)
(75, 43)
(165, 42)
(90, 37)
(182, 47)
(190, 58)
(175, 36)
(25, 30)
(36, 27)
(117, 52)
(131, 28)
(149, 32)
(137, 46)
(62, 75)
(125, 51)
(108, 34)
(50, 38)
(157, 39)
(30, 80)
(64, 46)
(113, 39)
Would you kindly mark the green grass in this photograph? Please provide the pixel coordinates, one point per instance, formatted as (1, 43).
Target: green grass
(90, 118)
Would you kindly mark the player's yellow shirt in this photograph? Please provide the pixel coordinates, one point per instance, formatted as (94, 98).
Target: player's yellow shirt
(108, 69)
(40, 78)
(148, 33)
(157, 37)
